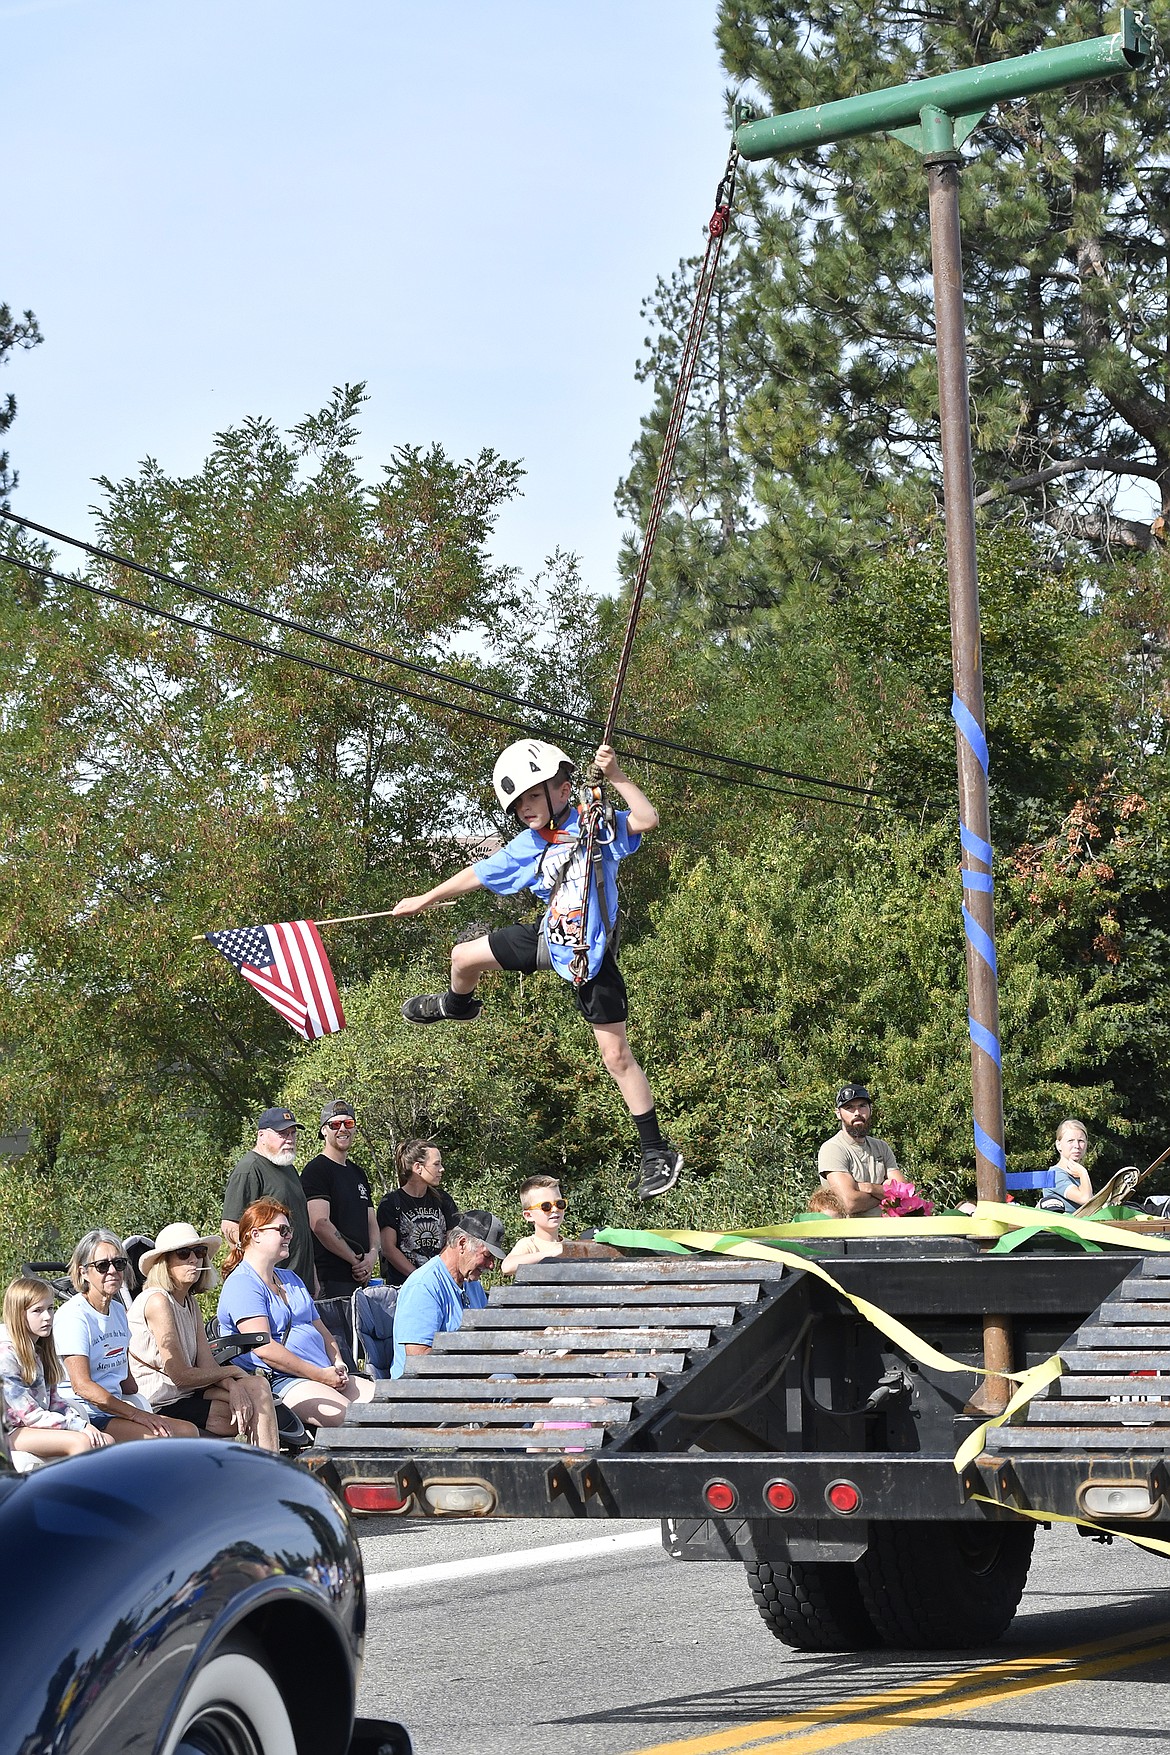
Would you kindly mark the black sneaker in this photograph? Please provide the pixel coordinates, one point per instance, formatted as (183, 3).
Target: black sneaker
(431, 1008)
(660, 1169)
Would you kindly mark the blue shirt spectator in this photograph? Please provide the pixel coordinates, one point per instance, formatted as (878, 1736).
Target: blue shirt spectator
(245, 1294)
(435, 1296)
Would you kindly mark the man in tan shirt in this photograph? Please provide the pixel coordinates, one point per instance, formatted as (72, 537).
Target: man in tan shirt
(854, 1164)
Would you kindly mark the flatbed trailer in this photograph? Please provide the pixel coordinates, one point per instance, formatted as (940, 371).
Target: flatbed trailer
(764, 1420)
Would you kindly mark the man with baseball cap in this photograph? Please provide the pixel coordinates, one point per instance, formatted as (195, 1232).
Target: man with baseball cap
(268, 1172)
(435, 1296)
(341, 1209)
(854, 1164)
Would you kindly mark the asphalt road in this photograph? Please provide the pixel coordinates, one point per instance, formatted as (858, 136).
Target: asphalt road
(604, 1652)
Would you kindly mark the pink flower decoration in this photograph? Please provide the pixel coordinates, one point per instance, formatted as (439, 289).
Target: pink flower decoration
(900, 1200)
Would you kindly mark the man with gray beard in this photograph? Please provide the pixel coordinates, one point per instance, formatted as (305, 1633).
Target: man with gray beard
(268, 1172)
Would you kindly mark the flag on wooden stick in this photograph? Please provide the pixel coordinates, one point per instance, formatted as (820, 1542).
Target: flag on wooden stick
(287, 966)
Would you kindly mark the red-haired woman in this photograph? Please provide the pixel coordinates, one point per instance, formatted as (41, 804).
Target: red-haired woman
(258, 1294)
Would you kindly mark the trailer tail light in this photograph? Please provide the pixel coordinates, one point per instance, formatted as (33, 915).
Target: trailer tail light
(780, 1495)
(843, 1496)
(374, 1496)
(1116, 1499)
(720, 1495)
(467, 1498)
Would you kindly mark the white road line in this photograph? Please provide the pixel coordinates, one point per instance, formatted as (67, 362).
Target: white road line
(489, 1564)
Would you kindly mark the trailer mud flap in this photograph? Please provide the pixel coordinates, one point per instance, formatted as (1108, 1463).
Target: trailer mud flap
(751, 1538)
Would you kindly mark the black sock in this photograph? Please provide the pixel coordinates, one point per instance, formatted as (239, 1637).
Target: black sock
(458, 1004)
(649, 1137)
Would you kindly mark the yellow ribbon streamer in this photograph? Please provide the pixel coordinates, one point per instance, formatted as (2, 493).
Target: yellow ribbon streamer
(1013, 1218)
(873, 1313)
(989, 1219)
(1085, 1523)
(1030, 1384)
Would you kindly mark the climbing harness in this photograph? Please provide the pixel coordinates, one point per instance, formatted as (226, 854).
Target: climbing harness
(593, 809)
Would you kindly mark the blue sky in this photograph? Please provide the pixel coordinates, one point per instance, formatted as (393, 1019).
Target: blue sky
(225, 209)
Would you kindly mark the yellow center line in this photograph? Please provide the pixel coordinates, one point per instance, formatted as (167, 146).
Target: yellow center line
(824, 1726)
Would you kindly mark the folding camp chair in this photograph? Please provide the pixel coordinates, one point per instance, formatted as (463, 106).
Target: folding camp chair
(373, 1319)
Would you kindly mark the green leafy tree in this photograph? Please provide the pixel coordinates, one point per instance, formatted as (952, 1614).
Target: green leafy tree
(159, 782)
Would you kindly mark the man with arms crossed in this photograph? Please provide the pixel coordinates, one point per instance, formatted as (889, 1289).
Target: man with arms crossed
(854, 1164)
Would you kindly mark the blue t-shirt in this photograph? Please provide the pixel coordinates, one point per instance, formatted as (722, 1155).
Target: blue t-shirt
(430, 1304)
(245, 1295)
(103, 1341)
(534, 860)
(1064, 1181)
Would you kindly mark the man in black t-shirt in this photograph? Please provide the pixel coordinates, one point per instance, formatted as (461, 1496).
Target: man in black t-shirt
(413, 1221)
(341, 1209)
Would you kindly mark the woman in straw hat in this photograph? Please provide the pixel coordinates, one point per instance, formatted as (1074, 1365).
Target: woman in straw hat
(170, 1353)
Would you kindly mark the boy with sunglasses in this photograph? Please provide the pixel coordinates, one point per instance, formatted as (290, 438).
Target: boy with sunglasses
(543, 1205)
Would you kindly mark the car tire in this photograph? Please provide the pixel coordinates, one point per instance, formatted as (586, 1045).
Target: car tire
(812, 1606)
(232, 1706)
(944, 1586)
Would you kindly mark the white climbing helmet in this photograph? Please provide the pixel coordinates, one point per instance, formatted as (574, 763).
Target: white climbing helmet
(526, 764)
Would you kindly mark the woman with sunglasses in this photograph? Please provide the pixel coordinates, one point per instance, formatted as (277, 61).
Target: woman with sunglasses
(171, 1355)
(91, 1333)
(261, 1296)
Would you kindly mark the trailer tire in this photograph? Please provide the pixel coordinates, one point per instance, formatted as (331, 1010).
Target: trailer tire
(944, 1586)
(814, 1606)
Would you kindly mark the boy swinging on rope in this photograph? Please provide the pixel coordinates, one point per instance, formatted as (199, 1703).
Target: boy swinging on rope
(533, 782)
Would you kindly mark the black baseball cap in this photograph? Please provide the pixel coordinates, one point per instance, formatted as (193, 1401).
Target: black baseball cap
(336, 1111)
(277, 1118)
(852, 1094)
(485, 1228)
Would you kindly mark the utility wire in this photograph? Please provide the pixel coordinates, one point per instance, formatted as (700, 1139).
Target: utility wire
(37, 571)
(226, 601)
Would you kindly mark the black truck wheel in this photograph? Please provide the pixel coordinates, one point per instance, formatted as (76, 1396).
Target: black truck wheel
(814, 1607)
(943, 1586)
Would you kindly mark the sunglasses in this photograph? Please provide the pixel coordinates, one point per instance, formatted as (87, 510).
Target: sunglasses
(546, 1206)
(113, 1264)
(281, 1230)
(342, 1126)
(188, 1254)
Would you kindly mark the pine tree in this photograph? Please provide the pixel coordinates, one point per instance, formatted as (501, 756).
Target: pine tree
(15, 332)
(827, 335)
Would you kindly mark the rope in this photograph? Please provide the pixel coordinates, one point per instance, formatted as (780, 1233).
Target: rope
(537, 708)
(717, 228)
(591, 809)
(40, 573)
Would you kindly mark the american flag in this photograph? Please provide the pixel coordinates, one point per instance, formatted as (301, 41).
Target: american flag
(287, 966)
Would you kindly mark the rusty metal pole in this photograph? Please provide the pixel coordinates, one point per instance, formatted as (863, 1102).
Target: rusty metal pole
(934, 116)
(970, 729)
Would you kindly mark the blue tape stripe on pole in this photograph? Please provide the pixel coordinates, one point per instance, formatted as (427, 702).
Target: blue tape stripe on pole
(980, 940)
(971, 730)
(977, 848)
(991, 1150)
(983, 1038)
(975, 845)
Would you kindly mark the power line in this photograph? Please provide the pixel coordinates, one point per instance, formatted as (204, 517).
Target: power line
(38, 571)
(225, 600)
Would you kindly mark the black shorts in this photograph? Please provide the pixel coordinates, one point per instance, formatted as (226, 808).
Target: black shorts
(194, 1407)
(600, 1001)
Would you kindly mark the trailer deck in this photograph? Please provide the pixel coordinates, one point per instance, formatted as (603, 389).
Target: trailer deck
(686, 1387)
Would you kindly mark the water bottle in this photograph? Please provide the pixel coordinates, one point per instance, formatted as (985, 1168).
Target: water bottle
(375, 1280)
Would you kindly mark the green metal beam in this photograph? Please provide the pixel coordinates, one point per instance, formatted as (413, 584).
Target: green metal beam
(968, 93)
